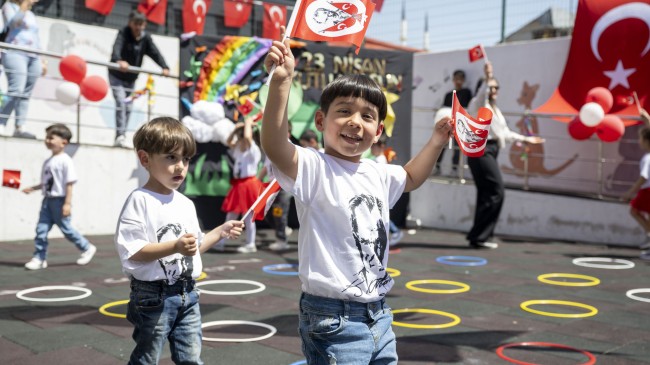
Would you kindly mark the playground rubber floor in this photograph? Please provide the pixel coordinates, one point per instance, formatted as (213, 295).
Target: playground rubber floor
(468, 310)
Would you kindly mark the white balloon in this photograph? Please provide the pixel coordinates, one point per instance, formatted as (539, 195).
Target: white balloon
(591, 114)
(67, 93)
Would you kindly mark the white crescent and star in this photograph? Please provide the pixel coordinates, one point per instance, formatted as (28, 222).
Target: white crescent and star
(195, 8)
(636, 10)
(280, 17)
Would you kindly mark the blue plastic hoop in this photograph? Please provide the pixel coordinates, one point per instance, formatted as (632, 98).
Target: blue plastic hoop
(468, 260)
(301, 362)
(275, 269)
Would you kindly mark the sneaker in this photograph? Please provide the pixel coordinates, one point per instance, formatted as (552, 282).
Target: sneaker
(644, 256)
(488, 245)
(219, 246)
(2, 129)
(288, 231)
(36, 264)
(87, 255)
(120, 141)
(279, 246)
(247, 248)
(395, 238)
(22, 134)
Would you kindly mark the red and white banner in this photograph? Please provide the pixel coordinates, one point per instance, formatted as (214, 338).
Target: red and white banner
(333, 20)
(274, 17)
(194, 12)
(264, 201)
(237, 12)
(103, 7)
(154, 10)
(470, 133)
(11, 179)
(609, 48)
(476, 53)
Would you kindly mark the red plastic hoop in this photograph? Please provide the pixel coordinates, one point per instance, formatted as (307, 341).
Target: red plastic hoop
(591, 361)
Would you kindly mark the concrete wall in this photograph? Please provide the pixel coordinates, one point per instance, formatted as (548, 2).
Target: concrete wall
(106, 176)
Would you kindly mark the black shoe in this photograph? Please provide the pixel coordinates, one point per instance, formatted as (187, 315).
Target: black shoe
(486, 245)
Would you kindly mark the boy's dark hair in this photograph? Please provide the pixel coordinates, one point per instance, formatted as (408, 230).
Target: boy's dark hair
(308, 135)
(164, 135)
(460, 73)
(358, 86)
(644, 133)
(137, 17)
(60, 130)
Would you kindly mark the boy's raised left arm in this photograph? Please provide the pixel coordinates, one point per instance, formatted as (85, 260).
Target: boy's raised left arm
(420, 166)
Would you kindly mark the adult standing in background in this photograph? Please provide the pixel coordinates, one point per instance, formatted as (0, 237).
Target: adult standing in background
(130, 47)
(490, 191)
(22, 68)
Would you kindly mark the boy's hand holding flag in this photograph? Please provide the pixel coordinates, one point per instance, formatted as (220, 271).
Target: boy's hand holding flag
(470, 133)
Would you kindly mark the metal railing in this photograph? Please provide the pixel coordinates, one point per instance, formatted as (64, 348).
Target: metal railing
(7, 47)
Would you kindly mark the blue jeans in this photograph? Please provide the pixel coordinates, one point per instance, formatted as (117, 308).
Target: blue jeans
(159, 312)
(51, 214)
(121, 89)
(343, 332)
(22, 72)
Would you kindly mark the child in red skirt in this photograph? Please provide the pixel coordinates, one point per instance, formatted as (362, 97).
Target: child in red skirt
(245, 186)
(640, 205)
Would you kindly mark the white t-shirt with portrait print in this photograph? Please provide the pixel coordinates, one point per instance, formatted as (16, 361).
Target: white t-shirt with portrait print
(343, 209)
(148, 218)
(644, 169)
(58, 171)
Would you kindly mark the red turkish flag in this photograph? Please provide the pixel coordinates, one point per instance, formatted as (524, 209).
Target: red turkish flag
(470, 133)
(194, 15)
(378, 5)
(237, 12)
(274, 17)
(610, 48)
(264, 201)
(333, 20)
(154, 10)
(103, 7)
(476, 53)
(11, 178)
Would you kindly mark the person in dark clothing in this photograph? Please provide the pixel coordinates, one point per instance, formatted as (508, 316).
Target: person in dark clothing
(464, 95)
(130, 47)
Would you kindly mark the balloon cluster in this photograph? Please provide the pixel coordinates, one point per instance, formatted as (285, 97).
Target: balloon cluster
(593, 118)
(73, 70)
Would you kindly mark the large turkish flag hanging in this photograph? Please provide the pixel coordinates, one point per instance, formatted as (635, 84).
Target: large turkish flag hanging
(154, 10)
(274, 16)
(237, 12)
(194, 15)
(610, 48)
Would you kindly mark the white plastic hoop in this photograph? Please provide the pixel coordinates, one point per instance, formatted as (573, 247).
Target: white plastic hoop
(619, 264)
(260, 287)
(22, 294)
(632, 294)
(272, 331)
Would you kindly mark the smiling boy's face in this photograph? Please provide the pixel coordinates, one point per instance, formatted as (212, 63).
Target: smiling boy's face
(350, 126)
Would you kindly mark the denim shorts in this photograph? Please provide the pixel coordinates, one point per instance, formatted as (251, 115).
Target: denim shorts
(344, 332)
(159, 312)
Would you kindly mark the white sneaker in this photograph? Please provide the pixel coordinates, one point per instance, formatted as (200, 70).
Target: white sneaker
(36, 264)
(644, 256)
(219, 246)
(22, 134)
(120, 141)
(87, 255)
(247, 248)
(395, 238)
(279, 246)
(288, 230)
(2, 129)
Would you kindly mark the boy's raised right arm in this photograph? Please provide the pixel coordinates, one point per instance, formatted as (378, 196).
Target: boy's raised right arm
(275, 123)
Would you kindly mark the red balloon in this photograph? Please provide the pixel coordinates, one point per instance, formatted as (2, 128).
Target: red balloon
(611, 129)
(601, 96)
(579, 131)
(73, 68)
(94, 88)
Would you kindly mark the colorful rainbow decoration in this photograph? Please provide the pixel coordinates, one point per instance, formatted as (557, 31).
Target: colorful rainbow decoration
(227, 64)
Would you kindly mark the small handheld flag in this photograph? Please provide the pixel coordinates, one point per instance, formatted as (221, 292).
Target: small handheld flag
(264, 201)
(249, 107)
(476, 53)
(11, 179)
(470, 133)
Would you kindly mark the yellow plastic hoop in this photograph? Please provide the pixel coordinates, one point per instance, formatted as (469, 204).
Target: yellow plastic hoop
(592, 310)
(454, 318)
(103, 308)
(592, 281)
(202, 276)
(412, 285)
(393, 272)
